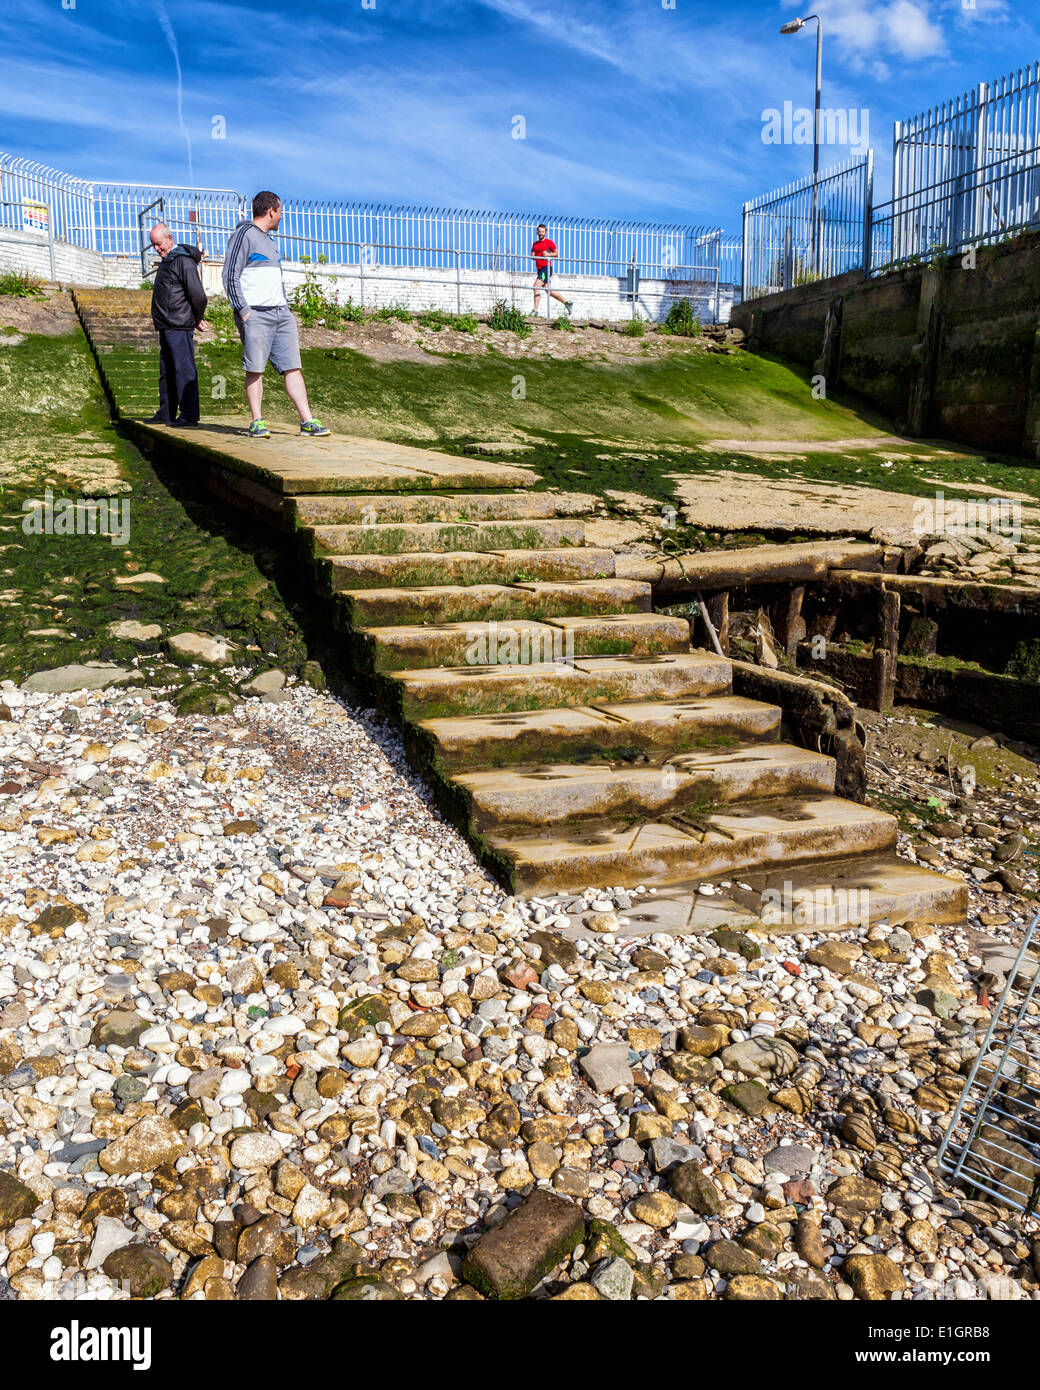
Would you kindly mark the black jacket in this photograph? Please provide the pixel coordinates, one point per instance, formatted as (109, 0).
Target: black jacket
(178, 299)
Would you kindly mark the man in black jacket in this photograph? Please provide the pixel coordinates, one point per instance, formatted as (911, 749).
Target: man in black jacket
(178, 308)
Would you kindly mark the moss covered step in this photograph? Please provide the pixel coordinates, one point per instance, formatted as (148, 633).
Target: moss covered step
(457, 603)
(394, 509)
(634, 731)
(437, 692)
(558, 792)
(429, 536)
(787, 830)
(520, 642)
(847, 891)
(463, 567)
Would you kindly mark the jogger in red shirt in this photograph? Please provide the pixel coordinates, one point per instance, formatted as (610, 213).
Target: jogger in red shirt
(544, 253)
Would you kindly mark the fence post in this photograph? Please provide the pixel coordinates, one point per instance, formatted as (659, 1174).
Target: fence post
(50, 239)
(743, 253)
(361, 268)
(978, 198)
(458, 285)
(868, 213)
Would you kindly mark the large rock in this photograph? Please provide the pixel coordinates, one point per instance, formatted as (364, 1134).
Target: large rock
(793, 1160)
(152, 1142)
(16, 1200)
(118, 1028)
(873, 1277)
(252, 1153)
(508, 1261)
(760, 1058)
(606, 1066)
(696, 1189)
(198, 647)
(143, 1269)
(854, 1193)
(92, 675)
(266, 683)
(110, 1235)
(259, 1284)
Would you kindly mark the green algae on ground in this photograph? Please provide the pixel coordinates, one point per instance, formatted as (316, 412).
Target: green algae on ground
(60, 591)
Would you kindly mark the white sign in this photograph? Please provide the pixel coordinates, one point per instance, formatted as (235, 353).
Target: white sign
(35, 216)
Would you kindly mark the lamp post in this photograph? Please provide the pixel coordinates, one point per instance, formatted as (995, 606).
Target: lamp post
(792, 27)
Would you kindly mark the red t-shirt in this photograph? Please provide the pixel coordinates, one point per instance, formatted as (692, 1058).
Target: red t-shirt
(538, 251)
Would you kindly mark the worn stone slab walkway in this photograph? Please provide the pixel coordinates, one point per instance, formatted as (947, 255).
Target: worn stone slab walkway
(574, 735)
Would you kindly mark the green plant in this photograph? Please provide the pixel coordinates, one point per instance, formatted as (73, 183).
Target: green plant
(509, 318)
(681, 321)
(436, 319)
(634, 328)
(220, 317)
(323, 259)
(563, 325)
(20, 284)
(393, 311)
(305, 260)
(315, 305)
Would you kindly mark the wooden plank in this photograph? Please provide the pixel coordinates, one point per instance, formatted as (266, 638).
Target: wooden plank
(922, 590)
(758, 564)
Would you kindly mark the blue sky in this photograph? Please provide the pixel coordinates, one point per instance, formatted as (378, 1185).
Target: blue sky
(633, 108)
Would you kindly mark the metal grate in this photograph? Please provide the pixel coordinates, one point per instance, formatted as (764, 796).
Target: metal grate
(992, 1143)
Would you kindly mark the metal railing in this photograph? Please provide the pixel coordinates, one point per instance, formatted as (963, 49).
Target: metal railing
(988, 204)
(809, 229)
(965, 173)
(370, 267)
(102, 216)
(975, 129)
(992, 1143)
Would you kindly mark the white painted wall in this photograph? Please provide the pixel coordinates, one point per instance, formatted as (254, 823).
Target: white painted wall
(415, 288)
(475, 291)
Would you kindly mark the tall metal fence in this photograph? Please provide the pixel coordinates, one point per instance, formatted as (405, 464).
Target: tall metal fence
(113, 218)
(809, 229)
(965, 172)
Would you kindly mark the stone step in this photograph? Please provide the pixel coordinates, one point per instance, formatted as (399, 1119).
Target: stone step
(456, 603)
(520, 642)
(391, 509)
(848, 891)
(484, 690)
(597, 853)
(463, 567)
(634, 731)
(553, 793)
(436, 536)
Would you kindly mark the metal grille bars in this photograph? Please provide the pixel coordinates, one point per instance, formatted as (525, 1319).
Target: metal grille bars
(809, 229)
(992, 1142)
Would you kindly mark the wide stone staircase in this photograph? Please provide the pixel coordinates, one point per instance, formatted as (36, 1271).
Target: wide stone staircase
(573, 734)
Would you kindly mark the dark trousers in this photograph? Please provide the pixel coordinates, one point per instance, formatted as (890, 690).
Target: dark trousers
(178, 378)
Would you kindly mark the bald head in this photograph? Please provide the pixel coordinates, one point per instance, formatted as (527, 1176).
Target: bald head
(161, 238)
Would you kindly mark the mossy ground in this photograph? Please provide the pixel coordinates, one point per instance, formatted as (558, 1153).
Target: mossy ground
(219, 578)
(588, 425)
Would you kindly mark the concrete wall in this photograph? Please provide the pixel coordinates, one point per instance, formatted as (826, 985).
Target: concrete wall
(73, 265)
(950, 350)
(595, 297)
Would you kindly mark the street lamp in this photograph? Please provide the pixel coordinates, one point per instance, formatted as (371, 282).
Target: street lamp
(792, 27)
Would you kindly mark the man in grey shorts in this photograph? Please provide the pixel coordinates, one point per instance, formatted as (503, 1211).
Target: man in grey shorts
(253, 284)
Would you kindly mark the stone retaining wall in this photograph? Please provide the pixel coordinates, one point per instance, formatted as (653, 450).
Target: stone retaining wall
(946, 350)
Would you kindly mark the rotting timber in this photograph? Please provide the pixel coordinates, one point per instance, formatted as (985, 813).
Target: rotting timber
(575, 735)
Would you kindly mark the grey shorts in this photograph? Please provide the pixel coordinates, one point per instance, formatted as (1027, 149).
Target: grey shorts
(269, 335)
